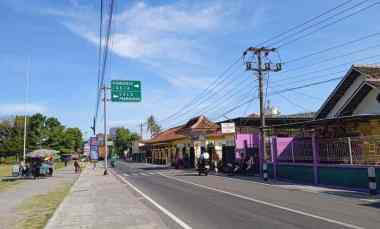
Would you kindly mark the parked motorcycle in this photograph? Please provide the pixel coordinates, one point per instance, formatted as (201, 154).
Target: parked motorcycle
(203, 168)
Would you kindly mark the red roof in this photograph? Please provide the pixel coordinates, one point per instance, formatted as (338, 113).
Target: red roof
(167, 135)
(200, 122)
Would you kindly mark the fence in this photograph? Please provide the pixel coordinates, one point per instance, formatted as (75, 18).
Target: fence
(339, 161)
(294, 150)
(351, 150)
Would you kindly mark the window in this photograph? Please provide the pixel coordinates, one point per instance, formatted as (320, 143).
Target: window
(378, 98)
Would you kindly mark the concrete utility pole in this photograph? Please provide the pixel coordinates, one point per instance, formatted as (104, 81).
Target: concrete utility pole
(105, 131)
(141, 130)
(250, 66)
(27, 76)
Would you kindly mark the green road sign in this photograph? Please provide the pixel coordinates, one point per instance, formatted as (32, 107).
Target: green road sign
(125, 91)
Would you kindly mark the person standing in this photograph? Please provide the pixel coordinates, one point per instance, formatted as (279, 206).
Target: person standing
(76, 166)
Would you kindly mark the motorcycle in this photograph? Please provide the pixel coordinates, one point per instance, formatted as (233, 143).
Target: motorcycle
(203, 168)
(113, 163)
(232, 169)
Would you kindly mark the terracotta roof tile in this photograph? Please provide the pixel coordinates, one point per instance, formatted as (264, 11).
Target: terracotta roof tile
(200, 122)
(167, 135)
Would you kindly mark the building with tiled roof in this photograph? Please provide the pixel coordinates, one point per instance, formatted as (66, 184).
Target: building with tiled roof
(358, 93)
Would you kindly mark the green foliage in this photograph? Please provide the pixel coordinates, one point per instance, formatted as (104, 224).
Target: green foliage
(152, 126)
(42, 132)
(124, 140)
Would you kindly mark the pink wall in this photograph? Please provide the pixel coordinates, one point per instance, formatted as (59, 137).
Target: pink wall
(252, 139)
(283, 144)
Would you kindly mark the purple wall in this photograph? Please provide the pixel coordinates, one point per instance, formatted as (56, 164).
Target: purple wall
(283, 145)
(252, 139)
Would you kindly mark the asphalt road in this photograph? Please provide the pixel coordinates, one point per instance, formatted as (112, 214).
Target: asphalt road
(219, 202)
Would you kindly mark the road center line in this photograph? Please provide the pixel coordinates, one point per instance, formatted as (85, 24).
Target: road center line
(164, 210)
(267, 203)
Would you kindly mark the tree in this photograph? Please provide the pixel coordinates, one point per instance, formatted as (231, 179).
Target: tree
(11, 139)
(42, 132)
(73, 139)
(53, 134)
(152, 126)
(36, 131)
(124, 140)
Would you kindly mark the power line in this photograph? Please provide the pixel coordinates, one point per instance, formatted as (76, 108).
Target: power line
(297, 32)
(341, 64)
(206, 107)
(301, 58)
(328, 25)
(276, 36)
(302, 108)
(304, 23)
(99, 64)
(208, 100)
(104, 57)
(210, 87)
(282, 91)
(334, 58)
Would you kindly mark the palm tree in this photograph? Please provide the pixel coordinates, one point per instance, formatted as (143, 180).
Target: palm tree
(152, 126)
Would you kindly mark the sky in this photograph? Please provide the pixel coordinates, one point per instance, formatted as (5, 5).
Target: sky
(176, 49)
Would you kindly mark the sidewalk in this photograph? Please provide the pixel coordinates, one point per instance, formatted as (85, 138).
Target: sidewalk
(97, 201)
(11, 199)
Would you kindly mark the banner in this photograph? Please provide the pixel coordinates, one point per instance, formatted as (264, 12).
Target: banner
(228, 128)
(93, 149)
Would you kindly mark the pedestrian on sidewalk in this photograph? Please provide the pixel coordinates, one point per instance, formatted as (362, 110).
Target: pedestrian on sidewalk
(76, 166)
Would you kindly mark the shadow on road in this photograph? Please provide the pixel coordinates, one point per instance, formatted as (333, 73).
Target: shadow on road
(374, 204)
(154, 168)
(188, 175)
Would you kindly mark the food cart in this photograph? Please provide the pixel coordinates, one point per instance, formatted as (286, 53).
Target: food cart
(42, 162)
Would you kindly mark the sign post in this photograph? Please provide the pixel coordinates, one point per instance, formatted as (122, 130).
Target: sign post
(121, 91)
(125, 91)
(228, 128)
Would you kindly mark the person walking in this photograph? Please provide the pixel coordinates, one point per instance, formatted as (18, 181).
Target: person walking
(76, 166)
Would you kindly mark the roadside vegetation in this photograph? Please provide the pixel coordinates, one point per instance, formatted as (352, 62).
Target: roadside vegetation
(38, 209)
(42, 132)
(6, 170)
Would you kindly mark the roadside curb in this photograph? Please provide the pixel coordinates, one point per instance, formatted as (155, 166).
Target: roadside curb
(55, 214)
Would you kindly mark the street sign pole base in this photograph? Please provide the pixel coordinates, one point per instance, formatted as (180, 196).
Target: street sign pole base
(105, 172)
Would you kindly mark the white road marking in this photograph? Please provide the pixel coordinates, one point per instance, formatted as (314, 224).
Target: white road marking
(125, 174)
(164, 210)
(144, 174)
(234, 179)
(268, 204)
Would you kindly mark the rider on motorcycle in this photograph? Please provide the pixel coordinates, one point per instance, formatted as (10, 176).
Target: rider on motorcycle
(204, 163)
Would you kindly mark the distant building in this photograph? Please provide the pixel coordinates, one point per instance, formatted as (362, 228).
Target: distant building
(112, 131)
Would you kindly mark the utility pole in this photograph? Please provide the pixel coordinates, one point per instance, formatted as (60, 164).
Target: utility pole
(141, 130)
(260, 69)
(27, 76)
(105, 131)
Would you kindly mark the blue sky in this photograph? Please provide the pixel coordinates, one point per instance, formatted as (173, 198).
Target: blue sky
(176, 48)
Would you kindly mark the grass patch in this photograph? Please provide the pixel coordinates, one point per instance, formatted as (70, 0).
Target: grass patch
(7, 184)
(6, 170)
(40, 208)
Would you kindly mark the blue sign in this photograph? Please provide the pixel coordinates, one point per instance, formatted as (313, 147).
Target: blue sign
(93, 149)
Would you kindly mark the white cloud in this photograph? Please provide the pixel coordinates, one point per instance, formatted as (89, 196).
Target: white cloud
(12, 109)
(173, 36)
(176, 18)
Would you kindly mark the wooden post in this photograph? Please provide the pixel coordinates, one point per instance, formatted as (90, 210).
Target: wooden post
(292, 148)
(315, 158)
(274, 156)
(350, 149)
